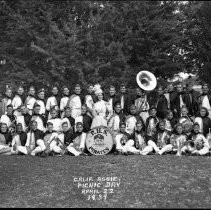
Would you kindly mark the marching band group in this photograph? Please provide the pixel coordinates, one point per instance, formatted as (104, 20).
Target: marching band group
(178, 122)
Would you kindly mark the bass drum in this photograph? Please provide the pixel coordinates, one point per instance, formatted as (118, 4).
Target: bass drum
(99, 140)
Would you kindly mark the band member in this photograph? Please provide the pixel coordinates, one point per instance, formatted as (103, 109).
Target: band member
(6, 100)
(64, 100)
(90, 99)
(163, 138)
(197, 144)
(68, 118)
(78, 145)
(204, 121)
(132, 119)
(142, 104)
(85, 119)
(40, 119)
(177, 140)
(170, 121)
(57, 122)
(184, 117)
(5, 140)
(25, 118)
(116, 118)
(124, 144)
(139, 136)
(51, 140)
(112, 99)
(30, 100)
(161, 104)
(67, 134)
(75, 102)
(99, 112)
(179, 100)
(191, 100)
(18, 100)
(9, 118)
(34, 143)
(151, 123)
(172, 95)
(53, 101)
(19, 139)
(124, 99)
(41, 101)
(204, 100)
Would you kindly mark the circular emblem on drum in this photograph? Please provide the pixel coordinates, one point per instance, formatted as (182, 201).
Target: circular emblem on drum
(99, 141)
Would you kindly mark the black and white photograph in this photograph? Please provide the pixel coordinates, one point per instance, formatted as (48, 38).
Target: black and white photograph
(105, 104)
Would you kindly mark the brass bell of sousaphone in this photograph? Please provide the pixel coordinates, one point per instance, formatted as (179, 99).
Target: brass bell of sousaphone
(146, 80)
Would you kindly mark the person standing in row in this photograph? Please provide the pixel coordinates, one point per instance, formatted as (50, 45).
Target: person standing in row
(6, 100)
(18, 100)
(204, 99)
(53, 101)
(64, 100)
(30, 99)
(41, 101)
(75, 102)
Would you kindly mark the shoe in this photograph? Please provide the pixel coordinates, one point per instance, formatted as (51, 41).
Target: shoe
(83, 154)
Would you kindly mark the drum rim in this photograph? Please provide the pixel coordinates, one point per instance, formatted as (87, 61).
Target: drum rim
(101, 126)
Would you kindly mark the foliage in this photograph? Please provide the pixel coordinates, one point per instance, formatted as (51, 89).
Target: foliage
(44, 42)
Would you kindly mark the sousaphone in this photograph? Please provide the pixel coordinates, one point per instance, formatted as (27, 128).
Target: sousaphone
(146, 80)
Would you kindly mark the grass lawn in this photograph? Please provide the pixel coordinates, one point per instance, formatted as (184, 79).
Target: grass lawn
(150, 181)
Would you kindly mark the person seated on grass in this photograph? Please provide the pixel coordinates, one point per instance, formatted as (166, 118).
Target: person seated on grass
(77, 147)
(5, 139)
(34, 143)
(204, 121)
(116, 118)
(40, 119)
(170, 121)
(163, 138)
(124, 143)
(197, 144)
(19, 138)
(57, 122)
(139, 136)
(67, 135)
(9, 118)
(51, 140)
(131, 120)
(84, 118)
(177, 140)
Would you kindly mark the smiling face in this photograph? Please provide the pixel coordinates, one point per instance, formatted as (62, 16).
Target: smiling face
(20, 91)
(31, 91)
(112, 91)
(41, 95)
(66, 91)
(8, 92)
(100, 96)
(3, 128)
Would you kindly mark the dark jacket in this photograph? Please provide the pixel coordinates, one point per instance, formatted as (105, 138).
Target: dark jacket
(162, 106)
(115, 99)
(87, 121)
(127, 102)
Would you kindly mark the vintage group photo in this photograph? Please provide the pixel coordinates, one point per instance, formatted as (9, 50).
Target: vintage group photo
(105, 104)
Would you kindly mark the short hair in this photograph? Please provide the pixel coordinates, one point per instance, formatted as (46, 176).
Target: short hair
(53, 109)
(77, 85)
(152, 107)
(132, 106)
(67, 108)
(64, 123)
(122, 123)
(196, 124)
(10, 105)
(111, 86)
(19, 124)
(79, 123)
(139, 122)
(33, 121)
(84, 105)
(36, 105)
(117, 104)
(49, 123)
(123, 85)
